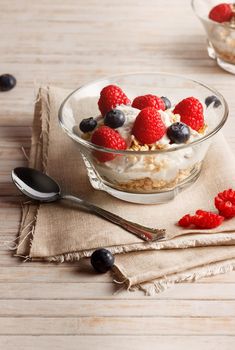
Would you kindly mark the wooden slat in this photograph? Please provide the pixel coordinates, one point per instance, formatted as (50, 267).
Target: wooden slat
(33, 289)
(114, 342)
(117, 325)
(119, 308)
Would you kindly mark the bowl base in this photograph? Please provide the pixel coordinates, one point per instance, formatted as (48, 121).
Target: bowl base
(211, 51)
(229, 67)
(147, 198)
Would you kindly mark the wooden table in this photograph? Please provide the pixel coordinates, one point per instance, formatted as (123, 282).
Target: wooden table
(68, 43)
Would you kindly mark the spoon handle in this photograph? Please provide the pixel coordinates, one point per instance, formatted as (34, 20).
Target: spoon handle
(145, 233)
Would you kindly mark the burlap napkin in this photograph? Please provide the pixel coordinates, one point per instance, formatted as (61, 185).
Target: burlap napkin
(59, 232)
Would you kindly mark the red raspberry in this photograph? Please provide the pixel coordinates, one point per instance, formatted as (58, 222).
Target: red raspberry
(148, 126)
(109, 138)
(185, 221)
(221, 13)
(206, 219)
(111, 96)
(191, 112)
(225, 203)
(202, 219)
(142, 102)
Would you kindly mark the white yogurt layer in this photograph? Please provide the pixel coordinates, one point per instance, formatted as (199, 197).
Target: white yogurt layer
(161, 167)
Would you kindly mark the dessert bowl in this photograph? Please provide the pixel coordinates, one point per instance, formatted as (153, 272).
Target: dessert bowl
(143, 174)
(220, 36)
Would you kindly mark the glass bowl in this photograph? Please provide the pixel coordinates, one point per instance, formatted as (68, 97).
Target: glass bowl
(143, 176)
(220, 36)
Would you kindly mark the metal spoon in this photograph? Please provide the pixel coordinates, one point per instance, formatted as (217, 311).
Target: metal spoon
(43, 188)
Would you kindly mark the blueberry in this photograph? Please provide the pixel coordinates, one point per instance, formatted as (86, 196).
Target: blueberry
(166, 101)
(7, 82)
(114, 118)
(88, 124)
(102, 260)
(212, 99)
(178, 132)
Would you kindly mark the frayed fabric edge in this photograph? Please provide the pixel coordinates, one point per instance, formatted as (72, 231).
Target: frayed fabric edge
(30, 212)
(75, 256)
(157, 286)
(170, 244)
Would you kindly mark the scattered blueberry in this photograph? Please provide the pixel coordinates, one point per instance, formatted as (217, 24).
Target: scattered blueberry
(166, 101)
(114, 118)
(7, 82)
(102, 260)
(178, 132)
(88, 124)
(212, 99)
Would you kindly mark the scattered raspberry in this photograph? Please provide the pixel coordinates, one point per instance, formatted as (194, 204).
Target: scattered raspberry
(142, 102)
(191, 112)
(148, 126)
(221, 13)
(206, 219)
(185, 221)
(225, 203)
(109, 138)
(202, 219)
(111, 96)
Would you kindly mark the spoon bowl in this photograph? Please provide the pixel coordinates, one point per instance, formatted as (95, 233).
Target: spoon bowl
(35, 184)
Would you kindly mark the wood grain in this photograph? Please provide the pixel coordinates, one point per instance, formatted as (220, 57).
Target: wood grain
(68, 43)
(117, 325)
(115, 342)
(119, 308)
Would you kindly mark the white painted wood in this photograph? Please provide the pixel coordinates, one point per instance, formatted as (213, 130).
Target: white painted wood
(119, 308)
(115, 342)
(38, 289)
(117, 325)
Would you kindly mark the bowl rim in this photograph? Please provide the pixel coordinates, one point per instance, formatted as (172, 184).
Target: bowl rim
(178, 147)
(207, 19)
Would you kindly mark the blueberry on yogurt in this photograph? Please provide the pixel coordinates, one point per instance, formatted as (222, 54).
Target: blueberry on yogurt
(166, 101)
(212, 99)
(88, 124)
(178, 132)
(114, 118)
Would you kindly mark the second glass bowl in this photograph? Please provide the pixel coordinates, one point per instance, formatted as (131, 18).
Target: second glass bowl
(141, 176)
(220, 36)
